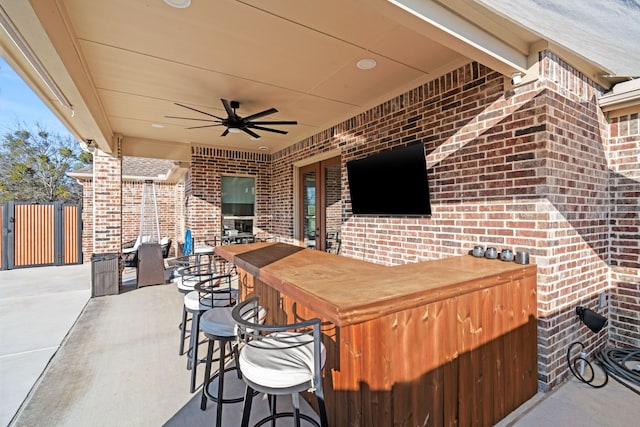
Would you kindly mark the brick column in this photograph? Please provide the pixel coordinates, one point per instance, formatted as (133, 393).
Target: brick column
(623, 150)
(107, 203)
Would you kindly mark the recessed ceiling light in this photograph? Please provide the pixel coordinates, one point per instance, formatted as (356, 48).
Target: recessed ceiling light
(180, 4)
(366, 64)
(157, 125)
(263, 148)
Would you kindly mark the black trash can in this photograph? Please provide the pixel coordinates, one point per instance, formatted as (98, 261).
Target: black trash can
(105, 274)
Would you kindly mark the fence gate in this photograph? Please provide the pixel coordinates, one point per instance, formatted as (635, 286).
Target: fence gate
(38, 234)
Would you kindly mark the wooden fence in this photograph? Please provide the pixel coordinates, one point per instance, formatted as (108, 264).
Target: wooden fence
(38, 234)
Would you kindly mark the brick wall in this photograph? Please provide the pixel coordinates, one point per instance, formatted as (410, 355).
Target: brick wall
(169, 200)
(107, 203)
(624, 163)
(203, 189)
(333, 202)
(522, 169)
(573, 270)
(87, 220)
(171, 213)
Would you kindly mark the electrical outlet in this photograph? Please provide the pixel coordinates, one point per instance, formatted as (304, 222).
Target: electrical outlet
(603, 300)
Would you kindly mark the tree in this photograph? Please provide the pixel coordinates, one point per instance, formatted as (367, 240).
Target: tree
(35, 163)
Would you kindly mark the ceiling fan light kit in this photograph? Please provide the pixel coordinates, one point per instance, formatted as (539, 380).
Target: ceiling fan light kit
(236, 124)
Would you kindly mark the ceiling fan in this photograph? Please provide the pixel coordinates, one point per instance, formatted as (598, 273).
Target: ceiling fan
(236, 124)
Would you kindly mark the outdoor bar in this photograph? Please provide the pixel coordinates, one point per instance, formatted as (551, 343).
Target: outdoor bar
(450, 341)
(346, 158)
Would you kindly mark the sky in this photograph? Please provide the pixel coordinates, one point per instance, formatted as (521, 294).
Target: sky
(18, 104)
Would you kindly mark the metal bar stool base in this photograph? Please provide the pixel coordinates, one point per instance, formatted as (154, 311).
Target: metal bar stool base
(213, 398)
(219, 398)
(287, 415)
(253, 389)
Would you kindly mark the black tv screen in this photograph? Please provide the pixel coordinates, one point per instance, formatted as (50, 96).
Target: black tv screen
(390, 183)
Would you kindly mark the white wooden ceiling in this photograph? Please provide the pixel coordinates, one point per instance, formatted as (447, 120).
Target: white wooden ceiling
(122, 64)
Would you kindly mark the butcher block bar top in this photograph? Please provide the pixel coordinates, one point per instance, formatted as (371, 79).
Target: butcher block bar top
(348, 291)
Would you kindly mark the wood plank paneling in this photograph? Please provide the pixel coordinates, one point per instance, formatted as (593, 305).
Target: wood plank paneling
(34, 235)
(71, 235)
(41, 234)
(453, 362)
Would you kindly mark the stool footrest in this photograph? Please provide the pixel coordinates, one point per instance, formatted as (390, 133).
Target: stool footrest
(215, 398)
(286, 415)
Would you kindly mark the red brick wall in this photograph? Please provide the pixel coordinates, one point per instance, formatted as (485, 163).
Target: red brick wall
(169, 200)
(333, 202)
(203, 189)
(624, 155)
(574, 270)
(87, 220)
(624, 148)
(522, 169)
(107, 203)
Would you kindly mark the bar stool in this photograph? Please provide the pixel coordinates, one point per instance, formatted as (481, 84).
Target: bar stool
(201, 251)
(278, 360)
(186, 279)
(210, 293)
(217, 325)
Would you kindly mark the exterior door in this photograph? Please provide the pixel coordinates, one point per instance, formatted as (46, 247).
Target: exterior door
(321, 205)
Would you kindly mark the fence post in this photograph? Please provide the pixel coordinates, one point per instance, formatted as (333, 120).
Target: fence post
(58, 233)
(80, 229)
(4, 214)
(9, 237)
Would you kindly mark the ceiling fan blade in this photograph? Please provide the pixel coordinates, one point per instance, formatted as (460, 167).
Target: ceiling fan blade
(287, 122)
(191, 118)
(227, 107)
(270, 130)
(206, 126)
(226, 131)
(260, 114)
(250, 132)
(193, 109)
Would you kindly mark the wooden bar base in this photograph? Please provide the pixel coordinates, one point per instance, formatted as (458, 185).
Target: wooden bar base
(460, 353)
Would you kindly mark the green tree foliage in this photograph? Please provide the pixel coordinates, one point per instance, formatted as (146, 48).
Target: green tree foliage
(35, 163)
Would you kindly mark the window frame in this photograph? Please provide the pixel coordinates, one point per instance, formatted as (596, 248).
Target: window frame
(224, 216)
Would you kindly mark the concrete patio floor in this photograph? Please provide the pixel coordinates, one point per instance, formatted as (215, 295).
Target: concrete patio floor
(38, 307)
(119, 364)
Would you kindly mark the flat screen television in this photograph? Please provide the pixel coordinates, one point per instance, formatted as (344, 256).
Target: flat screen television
(390, 183)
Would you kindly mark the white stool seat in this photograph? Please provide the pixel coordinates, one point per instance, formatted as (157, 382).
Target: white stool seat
(193, 302)
(204, 250)
(218, 322)
(288, 360)
(280, 363)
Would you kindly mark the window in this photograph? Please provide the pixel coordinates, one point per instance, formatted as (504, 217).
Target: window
(238, 204)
